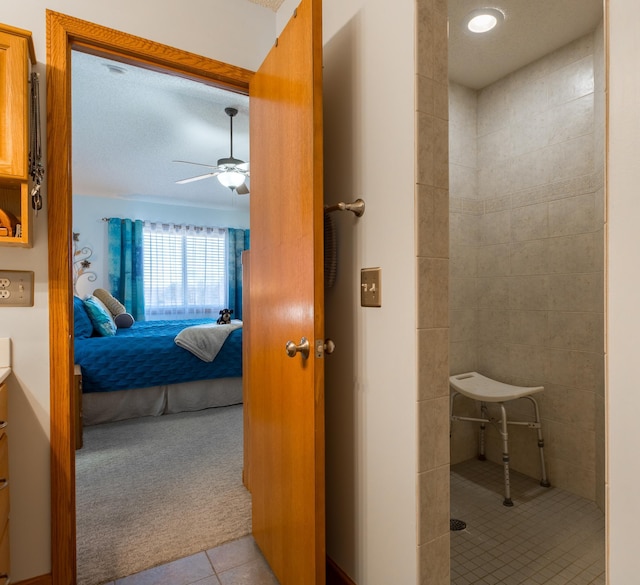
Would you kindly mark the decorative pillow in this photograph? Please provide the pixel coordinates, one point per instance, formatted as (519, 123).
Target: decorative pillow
(114, 305)
(100, 316)
(124, 320)
(82, 325)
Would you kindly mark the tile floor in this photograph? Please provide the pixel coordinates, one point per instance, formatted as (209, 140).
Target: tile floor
(549, 536)
(234, 563)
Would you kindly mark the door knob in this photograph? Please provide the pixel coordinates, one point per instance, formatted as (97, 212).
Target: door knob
(329, 346)
(303, 348)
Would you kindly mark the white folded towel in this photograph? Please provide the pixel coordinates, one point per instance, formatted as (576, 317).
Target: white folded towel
(205, 341)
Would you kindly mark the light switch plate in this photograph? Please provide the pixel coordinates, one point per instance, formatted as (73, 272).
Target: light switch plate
(371, 287)
(16, 288)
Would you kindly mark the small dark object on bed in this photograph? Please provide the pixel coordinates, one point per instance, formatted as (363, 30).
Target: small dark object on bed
(225, 317)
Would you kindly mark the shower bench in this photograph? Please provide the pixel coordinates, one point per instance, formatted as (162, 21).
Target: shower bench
(485, 390)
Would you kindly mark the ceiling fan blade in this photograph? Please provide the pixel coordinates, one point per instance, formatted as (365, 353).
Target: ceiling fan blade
(243, 189)
(198, 178)
(195, 163)
(243, 167)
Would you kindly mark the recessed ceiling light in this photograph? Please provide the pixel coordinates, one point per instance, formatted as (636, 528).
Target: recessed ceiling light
(484, 20)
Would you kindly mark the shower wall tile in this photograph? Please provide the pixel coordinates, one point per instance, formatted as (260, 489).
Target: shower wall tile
(463, 357)
(433, 222)
(463, 261)
(494, 148)
(433, 426)
(463, 324)
(433, 301)
(463, 293)
(528, 293)
(576, 292)
(494, 260)
(529, 257)
(583, 406)
(493, 292)
(571, 158)
(433, 495)
(527, 361)
(574, 51)
(590, 371)
(493, 326)
(577, 253)
(530, 223)
(433, 364)
(572, 477)
(493, 102)
(571, 120)
(432, 97)
(462, 181)
(495, 181)
(571, 82)
(495, 228)
(432, 151)
(497, 203)
(529, 327)
(527, 137)
(434, 558)
(576, 215)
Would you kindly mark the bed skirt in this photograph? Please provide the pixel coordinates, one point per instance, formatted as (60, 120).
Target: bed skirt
(102, 407)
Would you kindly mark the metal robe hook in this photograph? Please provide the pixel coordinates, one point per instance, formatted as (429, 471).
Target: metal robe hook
(357, 207)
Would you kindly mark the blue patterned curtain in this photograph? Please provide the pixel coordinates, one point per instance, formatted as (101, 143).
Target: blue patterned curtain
(126, 268)
(238, 242)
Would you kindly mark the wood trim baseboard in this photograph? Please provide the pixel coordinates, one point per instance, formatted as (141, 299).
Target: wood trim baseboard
(336, 576)
(41, 580)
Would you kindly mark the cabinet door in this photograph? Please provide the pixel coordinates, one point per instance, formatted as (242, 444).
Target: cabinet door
(14, 106)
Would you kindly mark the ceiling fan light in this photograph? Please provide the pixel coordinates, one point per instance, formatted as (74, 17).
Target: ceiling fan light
(231, 179)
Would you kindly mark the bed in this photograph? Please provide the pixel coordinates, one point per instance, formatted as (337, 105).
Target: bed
(140, 371)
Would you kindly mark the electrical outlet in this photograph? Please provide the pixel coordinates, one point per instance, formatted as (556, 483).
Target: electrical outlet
(16, 288)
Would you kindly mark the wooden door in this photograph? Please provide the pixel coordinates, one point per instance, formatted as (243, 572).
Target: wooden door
(286, 394)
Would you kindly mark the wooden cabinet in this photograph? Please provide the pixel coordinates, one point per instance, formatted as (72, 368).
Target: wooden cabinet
(16, 56)
(4, 488)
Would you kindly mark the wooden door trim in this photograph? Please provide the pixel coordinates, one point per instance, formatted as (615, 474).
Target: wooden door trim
(65, 33)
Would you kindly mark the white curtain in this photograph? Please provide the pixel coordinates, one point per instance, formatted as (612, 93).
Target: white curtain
(185, 271)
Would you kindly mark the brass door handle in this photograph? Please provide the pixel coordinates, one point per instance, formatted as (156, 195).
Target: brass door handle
(303, 348)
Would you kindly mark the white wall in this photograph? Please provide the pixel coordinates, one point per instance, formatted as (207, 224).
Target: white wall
(87, 221)
(235, 32)
(371, 386)
(623, 284)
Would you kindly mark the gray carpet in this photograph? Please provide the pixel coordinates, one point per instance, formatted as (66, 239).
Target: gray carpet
(155, 489)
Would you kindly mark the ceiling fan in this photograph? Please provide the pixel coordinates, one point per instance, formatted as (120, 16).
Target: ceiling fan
(231, 172)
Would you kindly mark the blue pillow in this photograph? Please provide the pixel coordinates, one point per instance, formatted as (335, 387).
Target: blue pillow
(82, 325)
(100, 316)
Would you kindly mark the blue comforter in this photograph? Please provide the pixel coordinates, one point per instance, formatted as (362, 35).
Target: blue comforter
(146, 355)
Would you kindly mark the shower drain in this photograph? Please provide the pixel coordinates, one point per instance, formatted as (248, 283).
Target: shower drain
(456, 524)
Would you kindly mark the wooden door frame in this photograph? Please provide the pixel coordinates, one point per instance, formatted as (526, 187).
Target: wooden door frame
(65, 33)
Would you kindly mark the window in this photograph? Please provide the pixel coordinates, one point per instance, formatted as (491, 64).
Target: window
(185, 271)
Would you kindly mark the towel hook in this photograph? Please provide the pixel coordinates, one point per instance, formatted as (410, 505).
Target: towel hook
(357, 207)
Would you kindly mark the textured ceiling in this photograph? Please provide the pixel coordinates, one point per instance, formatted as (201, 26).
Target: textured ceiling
(130, 123)
(128, 127)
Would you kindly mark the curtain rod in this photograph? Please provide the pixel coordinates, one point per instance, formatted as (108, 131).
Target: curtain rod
(178, 225)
